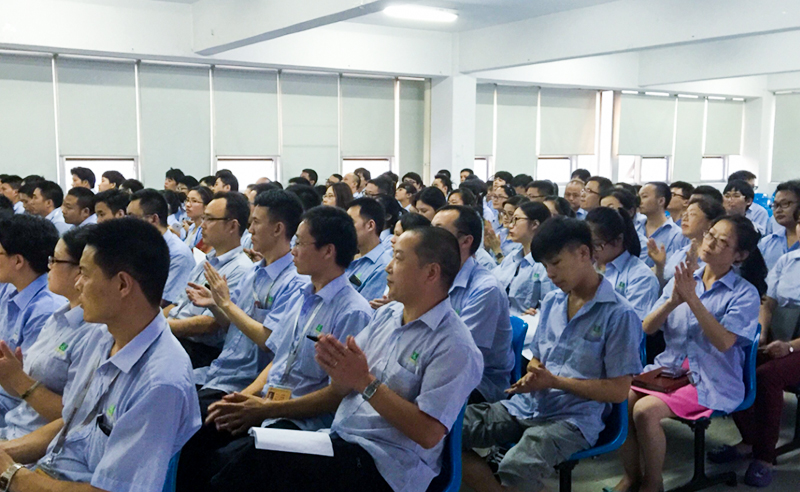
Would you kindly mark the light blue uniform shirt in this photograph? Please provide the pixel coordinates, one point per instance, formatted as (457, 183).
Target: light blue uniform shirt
(432, 362)
(247, 240)
(145, 395)
(774, 246)
(490, 214)
(669, 235)
(477, 297)
(676, 259)
(759, 216)
(783, 281)
(232, 265)
(19, 208)
(338, 310)
(773, 226)
(370, 269)
(181, 263)
(386, 238)
(601, 341)
(57, 218)
(193, 236)
(631, 278)
(485, 260)
(734, 302)
(25, 313)
(581, 214)
(92, 219)
(53, 360)
(265, 293)
(524, 280)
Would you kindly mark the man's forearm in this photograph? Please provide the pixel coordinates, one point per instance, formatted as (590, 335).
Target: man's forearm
(32, 447)
(251, 328)
(196, 325)
(313, 404)
(613, 390)
(28, 481)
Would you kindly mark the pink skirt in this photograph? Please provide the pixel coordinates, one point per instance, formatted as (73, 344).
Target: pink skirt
(683, 402)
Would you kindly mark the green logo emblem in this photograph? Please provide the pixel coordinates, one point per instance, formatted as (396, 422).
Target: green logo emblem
(621, 287)
(597, 330)
(62, 348)
(319, 328)
(536, 276)
(110, 411)
(414, 357)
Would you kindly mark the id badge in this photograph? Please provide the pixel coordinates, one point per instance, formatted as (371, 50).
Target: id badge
(279, 393)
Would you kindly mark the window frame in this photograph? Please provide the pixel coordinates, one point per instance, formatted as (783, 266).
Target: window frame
(725, 167)
(67, 162)
(638, 160)
(223, 158)
(390, 159)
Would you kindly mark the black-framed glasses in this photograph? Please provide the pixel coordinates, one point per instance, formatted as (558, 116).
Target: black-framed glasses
(589, 190)
(711, 238)
(206, 218)
(513, 220)
(52, 260)
(298, 243)
(783, 205)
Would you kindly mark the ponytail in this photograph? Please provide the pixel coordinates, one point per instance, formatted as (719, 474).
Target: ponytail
(610, 224)
(753, 268)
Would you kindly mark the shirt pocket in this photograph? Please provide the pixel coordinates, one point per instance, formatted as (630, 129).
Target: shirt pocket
(305, 362)
(405, 381)
(96, 441)
(53, 372)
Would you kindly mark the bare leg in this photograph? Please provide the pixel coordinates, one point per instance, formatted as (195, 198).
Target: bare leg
(476, 473)
(647, 416)
(629, 452)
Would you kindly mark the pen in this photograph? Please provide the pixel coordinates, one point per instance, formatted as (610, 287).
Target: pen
(313, 338)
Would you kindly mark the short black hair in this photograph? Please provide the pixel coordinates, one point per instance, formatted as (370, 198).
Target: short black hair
(521, 181)
(311, 174)
(308, 196)
(476, 186)
(432, 196)
(337, 176)
(563, 207)
(51, 191)
(408, 187)
(446, 172)
(132, 185)
(517, 200)
(662, 191)
(363, 172)
(299, 180)
(370, 209)
(205, 193)
(28, 188)
(33, 178)
(545, 187)
(236, 207)
(85, 198)
(711, 208)
(136, 248)
(436, 245)
(393, 211)
(414, 177)
(604, 184)
(467, 196)
(114, 177)
(686, 188)
(741, 186)
(468, 223)
(228, 179)
(559, 233)
(412, 221)
(445, 179)
(792, 186)
(208, 180)
(75, 240)
(262, 187)
(708, 191)
(174, 200)
(84, 174)
(283, 207)
(625, 198)
(114, 199)
(153, 203)
(189, 181)
(741, 176)
(34, 238)
(13, 181)
(6, 207)
(504, 175)
(174, 174)
(535, 211)
(332, 225)
(467, 170)
(582, 174)
(384, 184)
(609, 224)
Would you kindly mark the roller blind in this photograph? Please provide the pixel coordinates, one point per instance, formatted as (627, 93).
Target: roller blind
(27, 117)
(688, 141)
(367, 117)
(176, 115)
(97, 108)
(310, 108)
(484, 119)
(646, 125)
(245, 113)
(412, 126)
(724, 128)
(567, 122)
(786, 146)
(516, 129)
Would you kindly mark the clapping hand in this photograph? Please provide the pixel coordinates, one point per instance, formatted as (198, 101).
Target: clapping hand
(656, 252)
(684, 284)
(237, 412)
(10, 366)
(345, 364)
(536, 379)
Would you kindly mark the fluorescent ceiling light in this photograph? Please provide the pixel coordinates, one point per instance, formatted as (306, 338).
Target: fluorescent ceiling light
(630, 92)
(659, 94)
(779, 93)
(716, 98)
(413, 12)
(688, 96)
(739, 99)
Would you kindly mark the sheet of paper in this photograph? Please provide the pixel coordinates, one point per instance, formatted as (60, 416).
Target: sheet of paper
(199, 256)
(533, 324)
(293, 441)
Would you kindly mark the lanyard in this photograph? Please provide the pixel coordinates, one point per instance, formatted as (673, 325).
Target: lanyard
(267, 304)
(299, 340)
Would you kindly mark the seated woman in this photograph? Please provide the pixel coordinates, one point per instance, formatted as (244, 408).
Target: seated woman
(695, 222)
(783, 239)
(53, 360)
(709, 317)
(499, 244)
(428, 201)
(559, 207)
(616, 255)
(524, 280)
(778, 369)
(338, 195)
(621, 198)
(195, 205)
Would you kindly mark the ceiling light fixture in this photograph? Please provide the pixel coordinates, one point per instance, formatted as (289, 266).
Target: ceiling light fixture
(657, 94)
(688, 96)
(716, 98)
(413, 12)
(632, 93)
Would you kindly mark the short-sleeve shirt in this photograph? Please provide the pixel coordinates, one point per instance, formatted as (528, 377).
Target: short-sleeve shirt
(601, 341)
(485, 260)
(57, 218)
(181, 263)
(370, 270)
(231, 265)
(19, 208)
(53, 360)
(783, 281)
(432, 362)
(477, 297)
(774, 246)
(265, 294)
(676, 259)
(773, 226)
(734, 302)
(145, 395)
(386, 237)
(524, 280)
(338, 310)
(631, 278)
(759, 216)
(668, 235)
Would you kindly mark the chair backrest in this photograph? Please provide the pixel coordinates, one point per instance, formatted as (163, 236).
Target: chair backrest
(519, 329)
(449, 478)
(763, 200)
(172, 474)
(750, 353)
(613, 435)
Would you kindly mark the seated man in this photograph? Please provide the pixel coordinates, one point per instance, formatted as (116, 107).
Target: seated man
(585, 353)
(368, 272)
(223, 223)
(477, 297)
(78, 207)
(414, 364)
(662, 233)
(112, 204)
(46, 202)
(132, 406)
(326, 244)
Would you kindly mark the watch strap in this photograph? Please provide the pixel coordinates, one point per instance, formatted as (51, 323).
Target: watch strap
(370, 390)
(5, 478)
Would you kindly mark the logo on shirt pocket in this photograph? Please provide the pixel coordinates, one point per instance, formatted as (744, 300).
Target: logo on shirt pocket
(594, 334)
(621, 287)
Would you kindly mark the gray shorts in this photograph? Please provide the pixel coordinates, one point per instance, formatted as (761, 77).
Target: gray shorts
(541, 445)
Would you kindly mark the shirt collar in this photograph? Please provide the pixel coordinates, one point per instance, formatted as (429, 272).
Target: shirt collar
(462, 279)
(385, 233)
(54, 214)
(22, 299)
(92, 219)
(74, 316)
(329, 292)
(432, 318)
(729, 280)
(217, 261)
(605, 293)
(620, 261)
(130, 354)
(375, 253)
(276, 267)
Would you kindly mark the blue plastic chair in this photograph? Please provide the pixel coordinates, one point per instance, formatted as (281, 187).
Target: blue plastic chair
(610, 439)
(172, 474)
(700, 480)
(763, 200)
(519, 330)
(449, 478)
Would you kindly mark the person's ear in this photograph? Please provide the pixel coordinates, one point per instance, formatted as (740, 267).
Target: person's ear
(125, 284)
(740, 256)
(119, 214)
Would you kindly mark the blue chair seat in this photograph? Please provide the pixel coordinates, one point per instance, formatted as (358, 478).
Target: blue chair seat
(519, 329)
(449, 478)
(172, 474)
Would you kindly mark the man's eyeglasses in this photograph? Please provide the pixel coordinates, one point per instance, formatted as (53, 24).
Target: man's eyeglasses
(589, 190)
(51, 260)
(732, 196)
(783, 205)
(207, 218)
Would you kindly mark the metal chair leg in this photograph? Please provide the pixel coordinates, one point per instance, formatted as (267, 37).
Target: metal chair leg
(700, 480)
(795, 442)
(565, 475)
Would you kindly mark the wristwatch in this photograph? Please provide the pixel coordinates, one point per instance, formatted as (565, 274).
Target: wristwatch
(370, 390)
(791, 349)
(5, 478)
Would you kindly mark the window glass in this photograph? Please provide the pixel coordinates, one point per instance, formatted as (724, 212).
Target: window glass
(556, 169)
(247, 171)
(100, 165)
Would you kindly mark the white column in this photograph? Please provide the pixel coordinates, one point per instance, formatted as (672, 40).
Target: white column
(452, 124)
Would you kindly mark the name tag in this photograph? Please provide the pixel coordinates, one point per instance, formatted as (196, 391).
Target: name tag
(278, 393)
